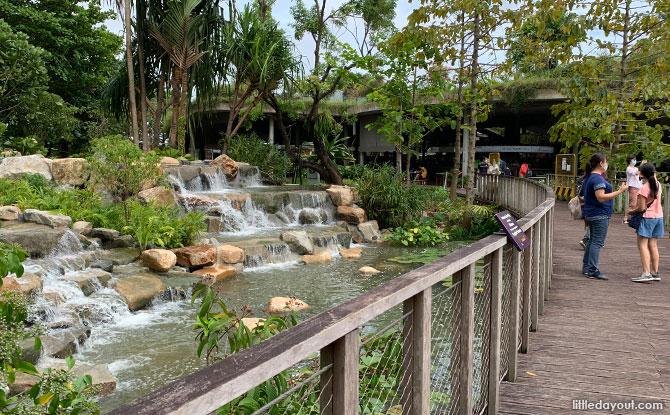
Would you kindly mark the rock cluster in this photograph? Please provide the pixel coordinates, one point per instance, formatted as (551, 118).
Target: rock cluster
(352, 217)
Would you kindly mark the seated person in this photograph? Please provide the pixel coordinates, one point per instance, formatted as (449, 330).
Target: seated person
(421, 175)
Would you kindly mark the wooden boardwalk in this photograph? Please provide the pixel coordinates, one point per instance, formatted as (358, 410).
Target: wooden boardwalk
(597, 340)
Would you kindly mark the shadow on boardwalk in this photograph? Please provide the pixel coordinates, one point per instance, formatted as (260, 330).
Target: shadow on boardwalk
(597, 340)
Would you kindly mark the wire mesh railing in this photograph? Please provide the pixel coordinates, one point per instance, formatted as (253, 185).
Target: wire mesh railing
(437, 340)
(445, 359)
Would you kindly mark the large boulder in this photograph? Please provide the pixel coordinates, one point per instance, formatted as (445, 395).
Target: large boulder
(16, 167)
(159, 260)
(82, 227)
(319, 256)
(9, 284)
(195, 202)
(38, 240)
(89, 280)
(216, 273)
(370, 231)
(46, 218)
(229, 254)
(29, 283)
(169, 161)
(103, 264)
(196, 256)
(351, 253)
(120, 256)
(123, 241)
(298, 241)
(138, 290)
(279, 305)
(185, 173)
(237, 200)
(356, 235)
(9, 213)
(227, 165)
(65, 343)
(104, 382)
(340, 195)
(354, 215)
(161, 196)
(104, 233)
(72, 171)
(369, 271)
(309, 217)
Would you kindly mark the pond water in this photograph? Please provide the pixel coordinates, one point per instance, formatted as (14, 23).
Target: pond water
(150, 348)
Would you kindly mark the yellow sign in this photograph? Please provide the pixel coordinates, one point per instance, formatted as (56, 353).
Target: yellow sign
(565, 176)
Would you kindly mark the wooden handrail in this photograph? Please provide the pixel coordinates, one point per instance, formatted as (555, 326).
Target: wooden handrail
(208, 389)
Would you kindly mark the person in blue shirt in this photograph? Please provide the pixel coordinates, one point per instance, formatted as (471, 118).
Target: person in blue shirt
(598, 206)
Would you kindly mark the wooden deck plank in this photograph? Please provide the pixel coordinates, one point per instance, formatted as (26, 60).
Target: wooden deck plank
(606, 340)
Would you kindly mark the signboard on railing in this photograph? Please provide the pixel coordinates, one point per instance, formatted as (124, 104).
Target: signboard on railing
(515, 234)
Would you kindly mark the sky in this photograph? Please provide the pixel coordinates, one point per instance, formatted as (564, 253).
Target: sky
(281, 12)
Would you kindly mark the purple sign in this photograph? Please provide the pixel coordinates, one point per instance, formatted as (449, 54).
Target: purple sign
(514, 232)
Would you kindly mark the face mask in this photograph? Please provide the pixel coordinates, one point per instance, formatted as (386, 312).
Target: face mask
(606, 166)
(634, 162)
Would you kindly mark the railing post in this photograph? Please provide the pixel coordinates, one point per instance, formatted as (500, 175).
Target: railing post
(416, 356)
(547, 257)
(326, 381)
(534, 300)
(467, 339)
(496, 327)
(345, 356)
(513, 341)
(527, 277)
(541, 265)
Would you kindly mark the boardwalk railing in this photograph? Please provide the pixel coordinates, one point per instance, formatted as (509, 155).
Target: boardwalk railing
(437, 340)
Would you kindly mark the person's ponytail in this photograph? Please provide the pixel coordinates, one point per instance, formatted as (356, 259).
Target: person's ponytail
(596, 158)
(648, 171)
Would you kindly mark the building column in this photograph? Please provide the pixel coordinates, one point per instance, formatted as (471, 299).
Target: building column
(271, 131)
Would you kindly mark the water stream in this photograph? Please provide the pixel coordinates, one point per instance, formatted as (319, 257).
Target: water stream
(149, 348)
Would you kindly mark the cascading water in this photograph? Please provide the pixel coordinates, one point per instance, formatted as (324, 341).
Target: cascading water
(244, 206)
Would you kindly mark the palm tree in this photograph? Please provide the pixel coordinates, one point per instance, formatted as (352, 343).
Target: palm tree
(257, 57)
(178, 36)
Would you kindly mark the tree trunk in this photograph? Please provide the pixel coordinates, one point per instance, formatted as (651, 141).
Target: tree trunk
(159, 111)
(409, 159)
(176, 98)
(398, 159)
(183, 112)
(330, 168)
(459, 121)
(474, 73)
(131, 72)
(146, 143)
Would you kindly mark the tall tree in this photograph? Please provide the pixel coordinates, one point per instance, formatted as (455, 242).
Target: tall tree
(478, 25)
(407, 96)
(178, 35)
(618, 95)
(333, 60)
(256, 56)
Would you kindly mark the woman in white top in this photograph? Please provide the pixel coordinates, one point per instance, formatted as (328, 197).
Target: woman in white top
(634, 184)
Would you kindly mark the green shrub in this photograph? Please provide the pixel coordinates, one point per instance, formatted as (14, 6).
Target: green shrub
(426, 233)
(123, 169)
(273, 163)
(388, 200)
(150, 224)
(163, 226)
(352, 171)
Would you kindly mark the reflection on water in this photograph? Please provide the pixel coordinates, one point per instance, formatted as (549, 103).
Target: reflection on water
(150, 348)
